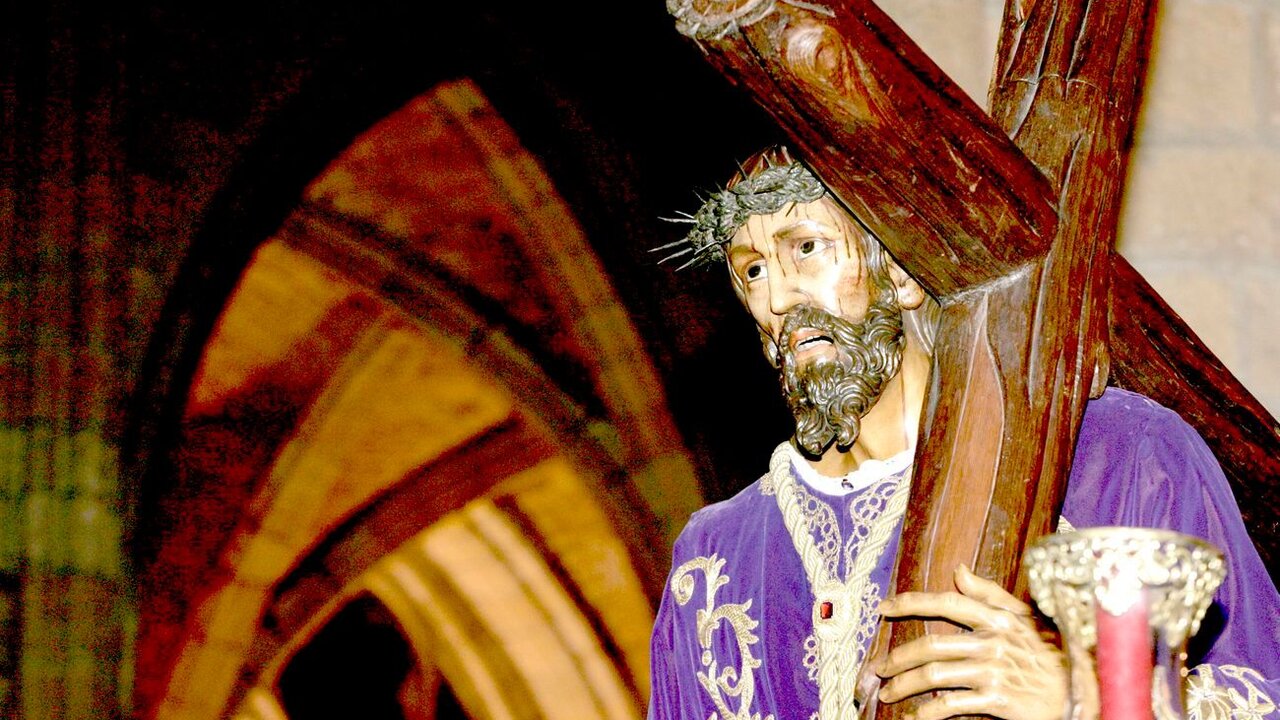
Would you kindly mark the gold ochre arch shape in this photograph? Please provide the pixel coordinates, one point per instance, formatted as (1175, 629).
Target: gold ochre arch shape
(556, 547)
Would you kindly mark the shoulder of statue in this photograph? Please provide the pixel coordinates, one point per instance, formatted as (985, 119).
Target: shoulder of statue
(1125, 408)
(1121, 418)
(730, 517)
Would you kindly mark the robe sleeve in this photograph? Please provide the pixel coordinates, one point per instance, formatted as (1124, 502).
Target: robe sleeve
(674, 650)
(1139, 464)
(666, 688)
(663, 692)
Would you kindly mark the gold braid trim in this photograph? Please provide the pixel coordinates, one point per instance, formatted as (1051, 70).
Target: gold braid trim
(839, 654)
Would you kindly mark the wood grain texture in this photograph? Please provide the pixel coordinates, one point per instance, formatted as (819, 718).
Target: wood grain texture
(1152, 351)
(1067, 90)
(1025, 298)
(901, 145)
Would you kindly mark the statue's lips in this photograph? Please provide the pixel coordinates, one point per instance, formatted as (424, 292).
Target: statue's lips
(808, 341)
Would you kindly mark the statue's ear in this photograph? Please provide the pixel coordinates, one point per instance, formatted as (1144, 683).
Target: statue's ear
(910, 294)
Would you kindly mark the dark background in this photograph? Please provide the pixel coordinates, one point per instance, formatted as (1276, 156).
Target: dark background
(246, 103)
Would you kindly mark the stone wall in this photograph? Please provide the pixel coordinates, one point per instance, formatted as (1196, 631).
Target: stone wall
(1201, 216)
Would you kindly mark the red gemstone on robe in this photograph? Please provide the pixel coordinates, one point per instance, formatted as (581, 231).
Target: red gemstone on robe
(825, 610)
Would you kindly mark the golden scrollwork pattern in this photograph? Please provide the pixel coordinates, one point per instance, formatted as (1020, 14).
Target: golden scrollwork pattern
(1241, 700)
(728, 683)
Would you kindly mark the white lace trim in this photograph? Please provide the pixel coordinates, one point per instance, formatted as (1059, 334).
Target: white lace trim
(840, 637)
(866, 474)
(821, 522)
(864, 511)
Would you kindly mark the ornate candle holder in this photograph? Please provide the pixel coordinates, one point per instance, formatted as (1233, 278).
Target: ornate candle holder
(1126, 600)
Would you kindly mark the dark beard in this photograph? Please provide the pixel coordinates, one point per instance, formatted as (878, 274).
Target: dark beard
(829, 398)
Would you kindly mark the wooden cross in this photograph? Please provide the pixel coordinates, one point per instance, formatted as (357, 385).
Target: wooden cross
(1009, 219)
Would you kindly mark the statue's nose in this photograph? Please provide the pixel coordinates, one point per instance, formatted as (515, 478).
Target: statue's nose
(784, 295)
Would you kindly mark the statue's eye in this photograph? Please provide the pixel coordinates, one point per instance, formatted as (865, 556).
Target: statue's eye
(754, 271)
(805, 248)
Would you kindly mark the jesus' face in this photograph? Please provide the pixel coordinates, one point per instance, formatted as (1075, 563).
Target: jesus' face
(832, 323)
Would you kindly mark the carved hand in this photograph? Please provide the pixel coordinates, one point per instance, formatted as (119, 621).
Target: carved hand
(1001, 667)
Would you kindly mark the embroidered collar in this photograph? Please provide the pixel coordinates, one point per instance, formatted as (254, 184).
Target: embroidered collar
(866, 474)
(843, 611)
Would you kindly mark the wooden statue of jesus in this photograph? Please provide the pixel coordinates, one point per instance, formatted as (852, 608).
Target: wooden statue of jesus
(775, 595)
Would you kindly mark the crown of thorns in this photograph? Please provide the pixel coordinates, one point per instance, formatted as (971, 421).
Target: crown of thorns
(722, 214)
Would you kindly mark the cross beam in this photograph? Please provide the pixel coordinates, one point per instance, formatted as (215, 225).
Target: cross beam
(1009, 219)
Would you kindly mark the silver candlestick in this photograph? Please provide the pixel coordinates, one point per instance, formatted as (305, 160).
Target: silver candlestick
(1126, 600)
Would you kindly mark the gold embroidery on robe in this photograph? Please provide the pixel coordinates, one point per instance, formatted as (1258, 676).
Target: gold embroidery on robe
(1207, 700)
(727, 683)
(841, 630)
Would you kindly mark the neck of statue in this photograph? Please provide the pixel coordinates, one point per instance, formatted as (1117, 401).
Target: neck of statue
(891, 425)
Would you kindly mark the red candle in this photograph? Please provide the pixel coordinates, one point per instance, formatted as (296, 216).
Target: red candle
(1126, 663)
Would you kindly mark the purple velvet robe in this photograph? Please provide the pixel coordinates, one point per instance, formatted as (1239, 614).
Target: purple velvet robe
(1136, 464)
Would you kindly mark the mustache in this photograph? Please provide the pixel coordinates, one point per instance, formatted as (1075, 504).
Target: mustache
(881, 327)
(808, 317)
